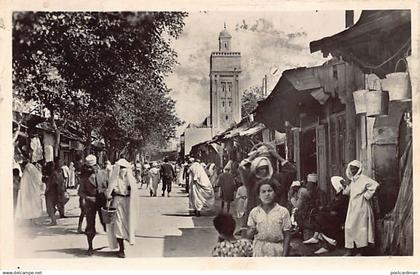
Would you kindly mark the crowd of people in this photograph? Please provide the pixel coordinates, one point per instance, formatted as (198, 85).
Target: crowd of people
(271, 206)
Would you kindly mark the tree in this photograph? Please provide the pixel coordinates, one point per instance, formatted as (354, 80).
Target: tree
(250, 99)
(94, 68)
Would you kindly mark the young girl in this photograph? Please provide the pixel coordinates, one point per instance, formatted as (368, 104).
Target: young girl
(269, 224)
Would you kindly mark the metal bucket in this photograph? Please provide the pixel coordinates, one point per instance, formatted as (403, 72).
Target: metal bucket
(377, 103)
(398, 85)
(109, 214)
(359, 101)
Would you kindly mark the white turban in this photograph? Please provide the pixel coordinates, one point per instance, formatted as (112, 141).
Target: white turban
(90, 160)
(312, 177)
(123, 163)
(355, 163)
(295, 183)
(259, 162)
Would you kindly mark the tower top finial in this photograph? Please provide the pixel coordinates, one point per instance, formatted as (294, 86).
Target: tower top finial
(225, 25)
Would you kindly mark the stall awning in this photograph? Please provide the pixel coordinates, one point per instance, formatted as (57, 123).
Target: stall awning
(253, 130)
(364, 42)
(371, 21)
(290, 97)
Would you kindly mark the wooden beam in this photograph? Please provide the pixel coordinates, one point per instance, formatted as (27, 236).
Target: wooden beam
(350, 115)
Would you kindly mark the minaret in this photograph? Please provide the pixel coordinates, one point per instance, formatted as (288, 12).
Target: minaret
(225, 96)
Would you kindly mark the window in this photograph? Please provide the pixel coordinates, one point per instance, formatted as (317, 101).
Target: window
(223, 104)
(225, 45)
(227, 117)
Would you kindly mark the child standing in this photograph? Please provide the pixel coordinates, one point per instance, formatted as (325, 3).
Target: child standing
(269, 224)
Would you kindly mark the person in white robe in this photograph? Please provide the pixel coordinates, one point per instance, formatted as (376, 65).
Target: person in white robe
(359, 229)
(123, 192)
(201, 190)
(72, 175)
(154, 179)
(29, 201)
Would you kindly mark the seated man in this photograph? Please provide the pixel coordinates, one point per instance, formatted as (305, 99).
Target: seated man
(328, 221)
(307, 201)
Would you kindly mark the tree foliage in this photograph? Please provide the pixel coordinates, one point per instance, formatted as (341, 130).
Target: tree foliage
(103, 70)
(250, 99)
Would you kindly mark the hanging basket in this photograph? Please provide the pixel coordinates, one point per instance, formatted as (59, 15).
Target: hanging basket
(398, 85)
(377, 103)
(359, 101)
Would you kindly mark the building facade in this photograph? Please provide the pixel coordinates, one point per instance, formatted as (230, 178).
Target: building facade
(225, 95)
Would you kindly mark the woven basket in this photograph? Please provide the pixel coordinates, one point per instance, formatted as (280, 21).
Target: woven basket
(109, 214)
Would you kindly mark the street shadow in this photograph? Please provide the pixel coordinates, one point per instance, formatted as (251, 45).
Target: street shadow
(48, 231)
(178, 214)
(80, 252)
(187, 245)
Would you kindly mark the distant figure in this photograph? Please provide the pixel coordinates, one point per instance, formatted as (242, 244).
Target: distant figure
(226, 181)
(145, 176)
(228, 245)
(54, 193)
(212, 173)
(137, 171)
(155, 178)
(66, 174)
(167, 174)
(186, 174)
(72, 176)
(16, 186)
(29, 203)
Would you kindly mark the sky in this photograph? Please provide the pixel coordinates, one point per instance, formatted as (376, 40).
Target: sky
(266, 40)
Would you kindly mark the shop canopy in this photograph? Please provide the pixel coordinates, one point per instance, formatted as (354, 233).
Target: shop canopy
(297, 92)
(375, 43)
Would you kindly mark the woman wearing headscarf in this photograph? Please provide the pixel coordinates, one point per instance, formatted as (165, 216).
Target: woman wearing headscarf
(359, 227)
(201, 192)
(123, 191)
(260, 169)
(29, 203)
(248, 174)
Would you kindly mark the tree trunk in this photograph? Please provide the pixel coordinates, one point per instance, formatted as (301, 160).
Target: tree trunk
(88, 142)
(57, 134)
